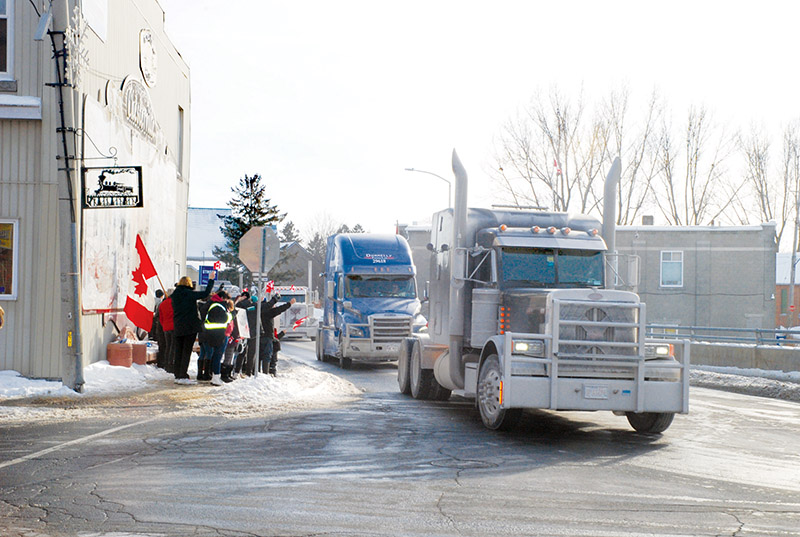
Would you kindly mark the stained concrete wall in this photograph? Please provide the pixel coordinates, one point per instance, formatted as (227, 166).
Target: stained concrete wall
(770, 358)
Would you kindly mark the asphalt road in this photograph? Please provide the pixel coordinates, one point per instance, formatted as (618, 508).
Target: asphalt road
(385, 464)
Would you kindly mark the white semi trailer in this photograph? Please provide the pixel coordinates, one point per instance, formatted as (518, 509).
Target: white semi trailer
(521, 317)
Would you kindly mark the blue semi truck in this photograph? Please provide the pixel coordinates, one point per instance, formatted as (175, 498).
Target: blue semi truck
(370, 298)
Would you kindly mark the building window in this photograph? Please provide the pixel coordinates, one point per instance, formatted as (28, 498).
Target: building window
(671, 269)
(180, 142)
(9, 246)
(6, 39)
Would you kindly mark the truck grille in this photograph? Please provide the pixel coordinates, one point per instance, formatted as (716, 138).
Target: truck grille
(389, 329)
(593, 330)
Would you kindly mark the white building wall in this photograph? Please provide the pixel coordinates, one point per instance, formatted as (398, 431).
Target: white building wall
(31, 341)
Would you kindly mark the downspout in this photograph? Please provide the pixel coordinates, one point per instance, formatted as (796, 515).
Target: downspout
(610, 219)
(457, 272)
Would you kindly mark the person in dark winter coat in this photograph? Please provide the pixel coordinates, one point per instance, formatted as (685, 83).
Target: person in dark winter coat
(276, 346)
(217, 321)
(187, 323)
(268, 313)
(241, 302)
(205, 358)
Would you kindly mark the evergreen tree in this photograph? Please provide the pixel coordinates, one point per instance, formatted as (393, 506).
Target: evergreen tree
(316, 247)
(249, 208)
(289, 233)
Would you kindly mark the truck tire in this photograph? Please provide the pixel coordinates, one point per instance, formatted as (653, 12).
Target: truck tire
(344, 362)
(439, 392)
(420, 379)
(650, 422)
(320, 350)
(488, 397)
(404, 365)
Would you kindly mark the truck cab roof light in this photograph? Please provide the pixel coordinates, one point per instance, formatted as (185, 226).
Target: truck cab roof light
(535, 229)
(551, 230)
(593, 232)
(503, 227)
(565, 230)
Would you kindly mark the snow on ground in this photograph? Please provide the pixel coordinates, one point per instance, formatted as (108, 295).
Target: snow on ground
(297, 386)
(775, 384)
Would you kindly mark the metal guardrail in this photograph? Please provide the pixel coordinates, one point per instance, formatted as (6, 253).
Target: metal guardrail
(713, 334)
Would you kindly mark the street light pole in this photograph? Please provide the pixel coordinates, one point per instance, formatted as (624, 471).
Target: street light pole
(449, 185)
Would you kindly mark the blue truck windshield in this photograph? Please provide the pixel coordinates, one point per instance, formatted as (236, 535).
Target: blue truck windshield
(542, 267)
(358, 286)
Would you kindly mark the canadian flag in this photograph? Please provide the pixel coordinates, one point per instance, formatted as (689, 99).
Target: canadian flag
(137, 313)
(298, 322)
(557, 167)
(269, 287)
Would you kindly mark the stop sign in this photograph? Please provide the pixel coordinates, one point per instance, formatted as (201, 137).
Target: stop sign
(257, 241)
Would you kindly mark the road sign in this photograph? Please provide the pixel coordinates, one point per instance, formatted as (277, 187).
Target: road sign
(258, 240)
(205, 272)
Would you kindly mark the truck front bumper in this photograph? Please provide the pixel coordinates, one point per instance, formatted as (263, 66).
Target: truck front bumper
(366, 350)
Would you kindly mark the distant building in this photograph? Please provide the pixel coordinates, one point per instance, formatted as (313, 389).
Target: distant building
(203, 234)
(705, 275)
(783, 314)
(95, 130)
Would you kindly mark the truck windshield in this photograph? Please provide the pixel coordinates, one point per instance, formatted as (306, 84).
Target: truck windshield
(379, 286)
(542, 267)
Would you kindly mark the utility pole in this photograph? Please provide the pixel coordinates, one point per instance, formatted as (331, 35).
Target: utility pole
(69, 215)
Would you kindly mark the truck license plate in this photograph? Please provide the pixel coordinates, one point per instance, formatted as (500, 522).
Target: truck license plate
(595, 392)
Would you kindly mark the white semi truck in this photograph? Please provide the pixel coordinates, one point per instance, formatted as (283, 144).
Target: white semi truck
(521, 318)
(299, 320)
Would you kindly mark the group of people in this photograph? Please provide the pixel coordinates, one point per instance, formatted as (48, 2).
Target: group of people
(227, 347)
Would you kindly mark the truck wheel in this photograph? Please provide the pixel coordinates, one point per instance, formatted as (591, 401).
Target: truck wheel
(439, 392)
(403, 366)
(489, 384)
(420, 379)
(650, 422)
(344, 363)
(320, 350)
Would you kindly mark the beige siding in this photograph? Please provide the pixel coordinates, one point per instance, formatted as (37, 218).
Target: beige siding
(31, 341)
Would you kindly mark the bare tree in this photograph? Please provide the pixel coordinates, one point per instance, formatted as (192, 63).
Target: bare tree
(638, 152)
(695, 193)
(545, 157)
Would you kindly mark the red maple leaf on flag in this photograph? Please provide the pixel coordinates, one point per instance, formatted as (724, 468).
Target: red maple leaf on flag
(270, 286)
(138, 278)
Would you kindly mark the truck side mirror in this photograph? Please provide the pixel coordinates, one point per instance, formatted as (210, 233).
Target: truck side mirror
(445, 248)
(430, 247)
(329, 289)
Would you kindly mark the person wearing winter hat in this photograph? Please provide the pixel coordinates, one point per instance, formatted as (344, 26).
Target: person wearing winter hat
(216, 324)
(187, 323)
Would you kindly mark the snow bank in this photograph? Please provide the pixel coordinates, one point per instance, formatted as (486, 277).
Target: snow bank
(298, 386)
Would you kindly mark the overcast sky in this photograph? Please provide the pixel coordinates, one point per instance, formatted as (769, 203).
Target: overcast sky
(331, 100)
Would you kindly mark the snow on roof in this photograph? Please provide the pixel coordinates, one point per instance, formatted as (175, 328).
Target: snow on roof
(203, 232)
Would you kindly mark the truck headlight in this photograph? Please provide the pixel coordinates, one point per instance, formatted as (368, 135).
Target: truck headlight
(355, 331)
(658, 350)
(528, 347)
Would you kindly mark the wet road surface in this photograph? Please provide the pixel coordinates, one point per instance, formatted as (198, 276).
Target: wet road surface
(385, 464)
